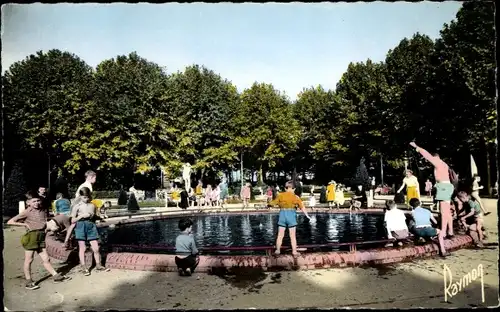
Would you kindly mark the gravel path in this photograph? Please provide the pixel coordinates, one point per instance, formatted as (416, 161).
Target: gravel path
(405, 285)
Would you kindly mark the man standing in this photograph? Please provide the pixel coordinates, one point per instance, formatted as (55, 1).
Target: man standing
(444, 191)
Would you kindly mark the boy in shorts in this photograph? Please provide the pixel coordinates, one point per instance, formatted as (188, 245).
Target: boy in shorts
(86, 230)
(288, 203)
(185, 246)
(58, 226)
(474, 212)
(395, 223)
(35, 218)
(423, 224)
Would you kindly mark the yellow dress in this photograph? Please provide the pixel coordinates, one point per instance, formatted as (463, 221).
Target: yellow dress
(411, 188)
(98, 204)
(175, 196)
(330, 192)
(199, 190)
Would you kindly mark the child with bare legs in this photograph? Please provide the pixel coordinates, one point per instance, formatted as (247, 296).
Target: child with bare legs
(288, 203)
(475, 193)
(86, 230)
(90, 178)
(423, 224)
(475, 212)
(208, 196)
(34, 219)
(245, 194)
(444, 191)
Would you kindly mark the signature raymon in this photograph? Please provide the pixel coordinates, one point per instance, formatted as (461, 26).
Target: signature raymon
(452, 288)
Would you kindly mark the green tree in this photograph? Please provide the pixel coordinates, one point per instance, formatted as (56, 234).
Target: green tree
(361, 176)
(44, 96)
(264, 127)
(463, 80)
(364, 98)
(203, 106)
(15, 189)
(125, 124)
(463, 86)
(407, 69)
(319, 115)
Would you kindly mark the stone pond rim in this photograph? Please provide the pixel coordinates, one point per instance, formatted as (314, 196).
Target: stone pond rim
(306, 261)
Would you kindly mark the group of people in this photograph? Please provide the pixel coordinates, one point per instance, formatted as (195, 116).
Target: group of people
(466, 207)
(413, 188)
(201, 197)
(79, 216)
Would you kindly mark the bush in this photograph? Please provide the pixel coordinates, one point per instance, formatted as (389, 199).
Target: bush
(132, 204)
(322, 196)
(105, 194)
(122, 197)
(15, 190)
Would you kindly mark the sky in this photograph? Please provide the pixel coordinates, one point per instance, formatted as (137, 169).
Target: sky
(293, 46)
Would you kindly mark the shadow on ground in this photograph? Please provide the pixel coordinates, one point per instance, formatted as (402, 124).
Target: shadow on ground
(408, 285)
(416, 284)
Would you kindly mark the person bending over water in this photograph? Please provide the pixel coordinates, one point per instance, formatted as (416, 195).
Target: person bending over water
(444, 192)
(288, 201)
(423, 219)
(395, 223)
(474, 212)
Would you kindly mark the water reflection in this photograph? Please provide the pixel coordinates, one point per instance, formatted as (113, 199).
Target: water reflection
(247, 229)
(253, 230)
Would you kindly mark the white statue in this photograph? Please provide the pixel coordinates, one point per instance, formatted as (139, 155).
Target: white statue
(186, 175)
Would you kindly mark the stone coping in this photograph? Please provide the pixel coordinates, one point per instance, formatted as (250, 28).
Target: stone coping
(209, 263)
(316, 260)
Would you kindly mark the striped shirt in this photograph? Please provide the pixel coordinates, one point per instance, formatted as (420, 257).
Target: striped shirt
(36, 219)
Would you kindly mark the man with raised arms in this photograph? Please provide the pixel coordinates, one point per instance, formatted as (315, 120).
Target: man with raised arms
(444, 191)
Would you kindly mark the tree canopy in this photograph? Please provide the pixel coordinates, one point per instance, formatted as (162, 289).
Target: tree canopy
(132, 115)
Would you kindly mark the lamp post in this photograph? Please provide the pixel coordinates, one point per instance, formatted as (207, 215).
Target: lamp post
(406, 162)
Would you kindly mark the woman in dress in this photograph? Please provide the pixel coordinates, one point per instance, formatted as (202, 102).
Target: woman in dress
(208, 196)
(330, 194)
(412, 186)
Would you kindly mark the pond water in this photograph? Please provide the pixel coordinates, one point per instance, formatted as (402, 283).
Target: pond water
(246, 230)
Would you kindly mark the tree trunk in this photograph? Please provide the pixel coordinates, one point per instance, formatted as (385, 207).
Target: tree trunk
(488, 169)
(260, 175)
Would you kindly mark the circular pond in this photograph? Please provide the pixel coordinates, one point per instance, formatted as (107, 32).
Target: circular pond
(235, 240)
(249, 230)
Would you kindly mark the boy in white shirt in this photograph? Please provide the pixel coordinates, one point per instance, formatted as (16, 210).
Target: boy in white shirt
(395, 222)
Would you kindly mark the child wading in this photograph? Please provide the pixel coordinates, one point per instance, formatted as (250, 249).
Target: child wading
(35, 218)
(288, 201)
(86, 230)
(185, 246)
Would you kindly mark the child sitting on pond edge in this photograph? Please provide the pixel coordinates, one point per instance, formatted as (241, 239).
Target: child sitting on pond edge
(185, 246)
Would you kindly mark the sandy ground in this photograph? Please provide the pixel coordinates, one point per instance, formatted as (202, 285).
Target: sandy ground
(414, 284)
